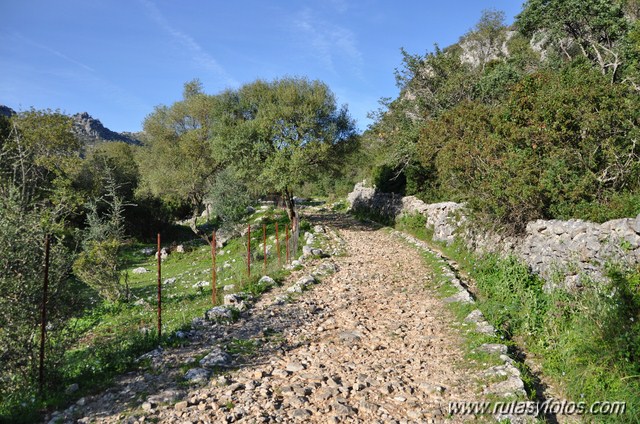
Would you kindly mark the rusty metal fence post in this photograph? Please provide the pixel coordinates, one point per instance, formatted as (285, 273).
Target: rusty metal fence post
(278, 246)
(214, 294)
(287, 231)
(249, 250)
(264, 248)
(159, 290)
(43, 322)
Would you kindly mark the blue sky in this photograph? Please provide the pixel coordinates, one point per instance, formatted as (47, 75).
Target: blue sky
(117, 59)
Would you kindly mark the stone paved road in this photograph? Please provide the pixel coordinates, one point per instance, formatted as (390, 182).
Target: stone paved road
(367, 344)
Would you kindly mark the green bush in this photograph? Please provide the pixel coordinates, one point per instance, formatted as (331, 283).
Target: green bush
(562, 145)
(415, 224)
(512, 298)
(229, 197)
(305, 225)
(591, 341)
(98, 266)
(22, 235)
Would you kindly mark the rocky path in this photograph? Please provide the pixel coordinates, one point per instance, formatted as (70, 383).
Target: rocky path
(369, 343)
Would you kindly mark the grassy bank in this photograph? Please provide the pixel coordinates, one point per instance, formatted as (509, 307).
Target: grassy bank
(111, 335)
(587, 343)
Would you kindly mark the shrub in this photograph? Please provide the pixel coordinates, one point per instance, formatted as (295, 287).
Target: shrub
(561, 139)
(22, 234)
(229, 196)
(98, 266)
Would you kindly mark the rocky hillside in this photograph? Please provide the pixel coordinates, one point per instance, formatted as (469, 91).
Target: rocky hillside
(91, 131)
(88, 129)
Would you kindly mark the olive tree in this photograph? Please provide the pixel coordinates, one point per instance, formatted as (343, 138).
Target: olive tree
(283, 133)
(176, 161)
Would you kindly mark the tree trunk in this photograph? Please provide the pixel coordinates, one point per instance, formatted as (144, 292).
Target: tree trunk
(293, 217)
(291, 209)
(193, 224)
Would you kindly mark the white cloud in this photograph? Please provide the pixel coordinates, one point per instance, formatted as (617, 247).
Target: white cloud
(201, 57)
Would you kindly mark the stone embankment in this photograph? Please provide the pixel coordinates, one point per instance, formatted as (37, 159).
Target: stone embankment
(360, 336)
(561, 252)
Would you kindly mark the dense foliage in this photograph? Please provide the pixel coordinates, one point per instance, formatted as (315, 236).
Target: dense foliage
(283, 134)
(22, 236)
(535, 121)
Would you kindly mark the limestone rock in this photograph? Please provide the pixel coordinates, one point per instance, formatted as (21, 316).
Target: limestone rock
(196, 375)
(219, 313)
(216, 357)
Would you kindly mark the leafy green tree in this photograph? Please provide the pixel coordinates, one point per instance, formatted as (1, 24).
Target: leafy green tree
(115, 159)
(99, 265)
(283, 133)
(229, 197)
(40, 155)
(435, 82)
(429, 85)
(176, 161)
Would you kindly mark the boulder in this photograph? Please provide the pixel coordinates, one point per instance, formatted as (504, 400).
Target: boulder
(201, 284)
(267, 280)
(219, 314)
(217, 357)
(164, 254)
(196, 375)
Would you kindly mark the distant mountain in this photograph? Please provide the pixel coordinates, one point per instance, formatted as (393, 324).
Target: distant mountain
(91, 131)
(6, 111)
(88, 129)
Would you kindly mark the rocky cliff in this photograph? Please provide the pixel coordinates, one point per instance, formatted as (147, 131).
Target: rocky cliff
(91, 131)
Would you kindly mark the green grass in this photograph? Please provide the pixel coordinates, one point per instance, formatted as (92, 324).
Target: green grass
(242, 347)
(588, 342)
(416, 224)
(340, 206)
(112, 335)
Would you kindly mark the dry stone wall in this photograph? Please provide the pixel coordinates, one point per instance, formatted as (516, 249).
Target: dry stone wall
(561, 252)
